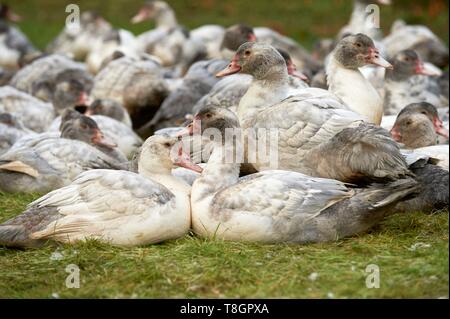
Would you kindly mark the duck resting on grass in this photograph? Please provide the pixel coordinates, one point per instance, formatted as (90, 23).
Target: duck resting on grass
(114, 206)
(280, 206)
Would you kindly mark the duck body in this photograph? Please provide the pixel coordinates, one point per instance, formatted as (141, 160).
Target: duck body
(118, 207)
(34, 113)
(355, 91)
(48, 164)
(138, 85)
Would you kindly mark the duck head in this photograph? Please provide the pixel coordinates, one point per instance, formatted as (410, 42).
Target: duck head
(414, 130)
(407, 63)
(7, 14)
(76, 126)
(291, 68)
(257, 59)
(150, 10)
(406, 120)
(161, 153)
(356, 51)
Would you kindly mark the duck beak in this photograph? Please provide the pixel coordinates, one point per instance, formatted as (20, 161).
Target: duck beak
(141, 16)
(99, 139)
(439, 128)
(83, 99)
(385, 2)
(292, 70)
(183, 160)
(192, 128)
(396, 134)
(232, 68)
(251, 37)
(14, 17)
(423, 69)
(375, 58)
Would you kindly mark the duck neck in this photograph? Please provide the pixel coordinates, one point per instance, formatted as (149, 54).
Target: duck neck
(166, 19)
(262, 93)
(355, 90)
(164, 176)
(220, 172)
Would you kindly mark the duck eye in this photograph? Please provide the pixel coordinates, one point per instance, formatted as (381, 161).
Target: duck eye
(408, 122)
(84, 126)
(247, 52)
(208, 115)
(358, 44)
(167, 144)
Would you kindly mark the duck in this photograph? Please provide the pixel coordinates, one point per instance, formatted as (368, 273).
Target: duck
(279, 206)
(50, 160)
(346, 81)
(169, 41)
(229, 91)
(138, 85)
(40, 77)
(14, 45)
(35, 114)
(117, 207)
(11, 130)
(78, 42)
(116, 40)
(318, 134)
(409, 82)
(197, 82)
(418, 125)
(119, 134)
(418, 38)
(359, 22)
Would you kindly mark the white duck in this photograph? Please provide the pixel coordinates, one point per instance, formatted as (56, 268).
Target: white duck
(280, 206)
(118, 207)
(317, 134)
(346, 81)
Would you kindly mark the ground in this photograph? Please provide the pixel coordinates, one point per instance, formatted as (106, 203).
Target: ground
(411, 250)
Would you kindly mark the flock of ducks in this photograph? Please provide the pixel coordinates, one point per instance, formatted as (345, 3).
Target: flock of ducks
(101, 121)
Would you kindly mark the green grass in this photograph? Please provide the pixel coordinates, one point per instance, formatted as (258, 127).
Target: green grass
(306, 20)
(196, 268)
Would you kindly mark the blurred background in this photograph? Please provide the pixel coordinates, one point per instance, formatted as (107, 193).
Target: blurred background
(304, 20)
